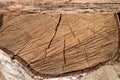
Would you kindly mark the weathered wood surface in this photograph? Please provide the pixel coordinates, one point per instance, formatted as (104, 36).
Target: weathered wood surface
(54, 44)
(59, 6)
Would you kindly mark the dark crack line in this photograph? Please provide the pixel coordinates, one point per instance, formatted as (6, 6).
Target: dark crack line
(56, 29)
(51, 40)
(72, 32)
(78, 41)
(71, 29)
(1, 20)
(64, 52)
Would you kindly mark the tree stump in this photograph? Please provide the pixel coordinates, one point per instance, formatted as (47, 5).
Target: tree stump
(52, 45)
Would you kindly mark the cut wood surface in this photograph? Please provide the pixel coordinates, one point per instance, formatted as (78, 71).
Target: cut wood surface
(57, 44)
(59, 6)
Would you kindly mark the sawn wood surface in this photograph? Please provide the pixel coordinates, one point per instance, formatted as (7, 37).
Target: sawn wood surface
(55, 44)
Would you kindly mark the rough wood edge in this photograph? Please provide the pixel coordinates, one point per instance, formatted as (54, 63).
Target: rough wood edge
(29, 7)
(34, 74)
(12, 69)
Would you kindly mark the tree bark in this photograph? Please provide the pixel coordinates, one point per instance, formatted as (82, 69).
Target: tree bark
(59, 6)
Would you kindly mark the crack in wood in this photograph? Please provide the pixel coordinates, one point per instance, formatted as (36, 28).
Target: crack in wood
(51, 40)
(64, 58)
(78, 41)
(56, 29)
(1, 20)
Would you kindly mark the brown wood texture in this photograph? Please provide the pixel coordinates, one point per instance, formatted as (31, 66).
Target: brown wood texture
(55, 44)
(59, 6)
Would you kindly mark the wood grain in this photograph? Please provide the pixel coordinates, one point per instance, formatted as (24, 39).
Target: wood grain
(59, 6)
(54, 44)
